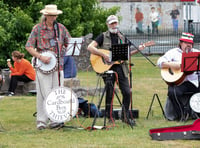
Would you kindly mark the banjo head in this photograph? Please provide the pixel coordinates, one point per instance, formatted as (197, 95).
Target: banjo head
(51, 66)
(195, 102)
(61, 104)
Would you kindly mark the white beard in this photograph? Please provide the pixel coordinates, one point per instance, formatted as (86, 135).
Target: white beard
(113, 30)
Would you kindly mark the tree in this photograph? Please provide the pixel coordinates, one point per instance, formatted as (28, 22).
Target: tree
(18, 17)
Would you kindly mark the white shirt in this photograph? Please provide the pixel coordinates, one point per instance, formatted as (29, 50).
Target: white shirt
(175, 55)
(154, 16)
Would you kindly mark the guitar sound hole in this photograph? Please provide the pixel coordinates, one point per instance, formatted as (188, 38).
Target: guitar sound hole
(170, 71)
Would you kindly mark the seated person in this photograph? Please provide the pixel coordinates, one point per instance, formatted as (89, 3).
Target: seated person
(172, 60)
(22, 71)
(1, 81)
(69, 67)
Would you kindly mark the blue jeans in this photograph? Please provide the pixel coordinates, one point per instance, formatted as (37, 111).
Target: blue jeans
(139, 25)
(175, 25)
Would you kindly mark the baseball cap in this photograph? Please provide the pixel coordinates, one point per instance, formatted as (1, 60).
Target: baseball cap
(111, 19)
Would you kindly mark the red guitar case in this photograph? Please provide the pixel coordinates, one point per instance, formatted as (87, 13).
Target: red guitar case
(189, 132)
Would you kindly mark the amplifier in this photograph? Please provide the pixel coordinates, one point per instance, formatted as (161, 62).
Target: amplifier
(117, 113)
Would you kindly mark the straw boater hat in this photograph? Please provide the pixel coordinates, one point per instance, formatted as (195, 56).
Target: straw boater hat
(187, 37)
(111, 19)
(51, 10)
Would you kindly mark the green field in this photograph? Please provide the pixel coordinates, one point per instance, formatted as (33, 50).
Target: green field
(18, 128)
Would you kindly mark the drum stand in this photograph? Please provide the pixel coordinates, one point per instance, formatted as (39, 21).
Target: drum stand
(108, 82)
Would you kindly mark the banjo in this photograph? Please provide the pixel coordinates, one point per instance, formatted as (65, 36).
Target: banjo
(51, 66)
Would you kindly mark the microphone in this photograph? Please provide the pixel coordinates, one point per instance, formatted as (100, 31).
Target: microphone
(55, 24)
(119, 30)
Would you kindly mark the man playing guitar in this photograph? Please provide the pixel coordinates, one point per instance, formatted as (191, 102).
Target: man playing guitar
(104, 41)
(170, 63)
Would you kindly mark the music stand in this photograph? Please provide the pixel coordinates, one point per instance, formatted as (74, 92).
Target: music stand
(74, 47)
(191, 63)
(119, 52)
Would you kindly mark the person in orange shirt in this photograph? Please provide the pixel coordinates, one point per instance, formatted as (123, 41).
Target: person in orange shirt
(22, 71)
(139, 20)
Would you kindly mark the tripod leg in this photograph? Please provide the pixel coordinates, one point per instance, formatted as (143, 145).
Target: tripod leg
(150, 107)
(98, 106)
(160, 105)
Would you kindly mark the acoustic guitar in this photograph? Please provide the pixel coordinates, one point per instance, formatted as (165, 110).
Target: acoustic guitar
(100, 65)
(172, 76)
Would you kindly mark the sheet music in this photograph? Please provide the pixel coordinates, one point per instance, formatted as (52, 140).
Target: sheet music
(74, 47)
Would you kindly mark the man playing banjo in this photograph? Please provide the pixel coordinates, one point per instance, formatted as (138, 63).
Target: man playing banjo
(44, 37)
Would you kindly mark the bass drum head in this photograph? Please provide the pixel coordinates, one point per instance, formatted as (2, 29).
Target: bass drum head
(61, 104)
(195, 102)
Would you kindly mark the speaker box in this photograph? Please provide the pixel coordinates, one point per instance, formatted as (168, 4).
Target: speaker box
(117, 113)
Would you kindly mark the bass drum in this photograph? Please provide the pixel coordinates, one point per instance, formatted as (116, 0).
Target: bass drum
(195, 102)
(61, 104)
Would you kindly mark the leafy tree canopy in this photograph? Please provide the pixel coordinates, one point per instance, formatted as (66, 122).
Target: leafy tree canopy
(18, 17)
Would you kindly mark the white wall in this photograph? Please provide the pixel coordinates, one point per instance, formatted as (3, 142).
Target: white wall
(191, 13)
(127, 12)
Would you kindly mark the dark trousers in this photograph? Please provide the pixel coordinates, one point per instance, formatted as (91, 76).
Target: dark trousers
(14, 80)
(123, 85)
(177, 93)
(155, 27)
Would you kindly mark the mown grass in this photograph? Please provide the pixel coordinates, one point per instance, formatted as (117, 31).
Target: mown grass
(18, 127)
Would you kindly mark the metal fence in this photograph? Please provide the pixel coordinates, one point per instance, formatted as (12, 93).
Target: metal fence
(164, 40)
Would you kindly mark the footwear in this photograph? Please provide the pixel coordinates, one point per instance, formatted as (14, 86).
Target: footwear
(11, 94)
(41, 125)
(125, 117)
(130, 122)
(41, 128)
(56, 125)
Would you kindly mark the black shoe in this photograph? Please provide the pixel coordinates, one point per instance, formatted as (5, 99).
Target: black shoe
(11, 94)
(130, 122)
(56, 126)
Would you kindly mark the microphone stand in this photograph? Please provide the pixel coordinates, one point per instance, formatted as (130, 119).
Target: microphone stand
(57, 34)
(130, 43)
(130, 64)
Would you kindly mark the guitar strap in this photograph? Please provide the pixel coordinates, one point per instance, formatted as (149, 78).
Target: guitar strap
(121, 38)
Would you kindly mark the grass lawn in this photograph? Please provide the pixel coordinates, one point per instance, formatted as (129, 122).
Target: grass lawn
(18, 128)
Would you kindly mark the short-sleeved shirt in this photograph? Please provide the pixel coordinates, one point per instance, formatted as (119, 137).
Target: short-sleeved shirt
(43, 39)
(174, 14)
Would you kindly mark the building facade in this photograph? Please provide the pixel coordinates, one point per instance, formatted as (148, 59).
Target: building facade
(163, 7)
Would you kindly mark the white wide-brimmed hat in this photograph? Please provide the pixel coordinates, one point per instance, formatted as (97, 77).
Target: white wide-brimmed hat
(51, 10)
